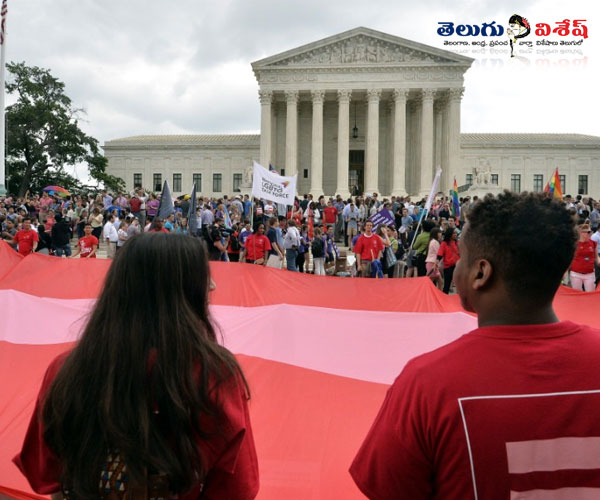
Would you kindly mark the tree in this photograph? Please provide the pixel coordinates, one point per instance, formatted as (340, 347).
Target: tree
(43, 135)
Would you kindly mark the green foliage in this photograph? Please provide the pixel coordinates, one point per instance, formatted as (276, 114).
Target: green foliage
(43, 135)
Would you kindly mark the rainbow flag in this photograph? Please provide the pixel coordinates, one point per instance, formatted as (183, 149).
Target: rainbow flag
(553, 187)
(455, 202)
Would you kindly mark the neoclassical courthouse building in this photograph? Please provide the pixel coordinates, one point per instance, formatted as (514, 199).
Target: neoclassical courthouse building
(366, 109)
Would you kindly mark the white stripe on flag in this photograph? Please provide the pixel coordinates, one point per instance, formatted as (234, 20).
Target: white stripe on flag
(553, 454)
(433, 191)
(559, 494)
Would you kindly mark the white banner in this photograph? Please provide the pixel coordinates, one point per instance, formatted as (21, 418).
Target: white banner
(270, 186)
(434, 188)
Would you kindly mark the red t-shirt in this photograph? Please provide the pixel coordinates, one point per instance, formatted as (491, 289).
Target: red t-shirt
(229, 457)
(161, 230)
(25, 240)
(501, 410)
(368, 246)
(135, 204)
(256, 246)
(585, 256)
(85, 246)
(330, 215)
(449, 253)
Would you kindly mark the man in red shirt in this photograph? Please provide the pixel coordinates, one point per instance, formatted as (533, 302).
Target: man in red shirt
(26, 239)
(511, 409)
(256, 246)
(330, 214)
(87, 246)
(368, 247)
(158, 226)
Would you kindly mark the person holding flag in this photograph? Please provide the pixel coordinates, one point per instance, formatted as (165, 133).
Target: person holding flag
(192, 215)
(3, 13)
(455, 201)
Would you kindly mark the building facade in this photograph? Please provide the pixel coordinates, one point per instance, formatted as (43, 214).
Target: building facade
(360, 110)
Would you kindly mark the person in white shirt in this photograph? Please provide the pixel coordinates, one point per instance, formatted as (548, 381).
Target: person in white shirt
(313, 211)
(269, 209)
(122, 234)
(351, 215)
(110, 236)
(291, 243)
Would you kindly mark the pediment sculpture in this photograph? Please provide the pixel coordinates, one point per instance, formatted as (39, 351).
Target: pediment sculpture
(360, 50)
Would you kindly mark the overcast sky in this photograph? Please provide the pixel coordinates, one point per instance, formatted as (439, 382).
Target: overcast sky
(183, 67)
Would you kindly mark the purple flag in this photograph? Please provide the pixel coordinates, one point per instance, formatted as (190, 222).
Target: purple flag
(384, 216)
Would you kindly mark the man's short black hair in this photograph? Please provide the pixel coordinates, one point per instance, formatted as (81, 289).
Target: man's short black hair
(528, 238)
(428, 225)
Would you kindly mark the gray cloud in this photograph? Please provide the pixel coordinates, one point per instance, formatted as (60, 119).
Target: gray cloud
(143, 67)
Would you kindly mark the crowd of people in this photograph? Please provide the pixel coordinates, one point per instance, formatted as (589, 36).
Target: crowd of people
(328, 235)
(148, 404)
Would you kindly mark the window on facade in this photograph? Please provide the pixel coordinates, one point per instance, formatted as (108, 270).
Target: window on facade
(515, 183)
(217, 181)
(538, 183)
(237, 182)
(306, 173)
(137, 180)
(495, 179)
(197, 179)
(563, 183)
(177, 183)
(469, 178)
(157, 182)
(282, 171)
(583, 185)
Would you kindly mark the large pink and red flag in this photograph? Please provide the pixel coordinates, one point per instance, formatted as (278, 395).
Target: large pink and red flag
(319, 354)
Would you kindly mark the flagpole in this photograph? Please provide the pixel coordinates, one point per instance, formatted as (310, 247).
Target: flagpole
(428, 204)
(3, 185)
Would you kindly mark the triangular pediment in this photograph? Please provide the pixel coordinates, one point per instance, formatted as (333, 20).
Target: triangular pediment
(361, 47)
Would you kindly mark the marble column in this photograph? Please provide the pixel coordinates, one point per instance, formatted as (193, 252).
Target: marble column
(291, 133)
(426, 142)
(343, 144)
(399, 97)
(453, 112)
(447, 181)
(372, 147)
(316, 165)
(266, 99)
(438, 109)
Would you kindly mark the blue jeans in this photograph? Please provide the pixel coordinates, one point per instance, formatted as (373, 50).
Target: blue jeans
(290, 257)
(65, 249)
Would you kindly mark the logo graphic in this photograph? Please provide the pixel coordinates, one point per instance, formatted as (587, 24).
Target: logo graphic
(520, 32)
(518, 27)
(285, 184)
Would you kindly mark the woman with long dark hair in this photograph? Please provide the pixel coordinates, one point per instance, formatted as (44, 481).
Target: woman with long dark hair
(147, 404)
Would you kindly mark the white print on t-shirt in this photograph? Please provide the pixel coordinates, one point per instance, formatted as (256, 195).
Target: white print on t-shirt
(85, 249)
(484, 421)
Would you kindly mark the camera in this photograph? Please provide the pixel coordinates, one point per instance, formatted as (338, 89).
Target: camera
(225, 233)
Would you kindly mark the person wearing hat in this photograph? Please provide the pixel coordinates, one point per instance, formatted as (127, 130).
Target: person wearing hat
(185, 204)
(237, 203)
